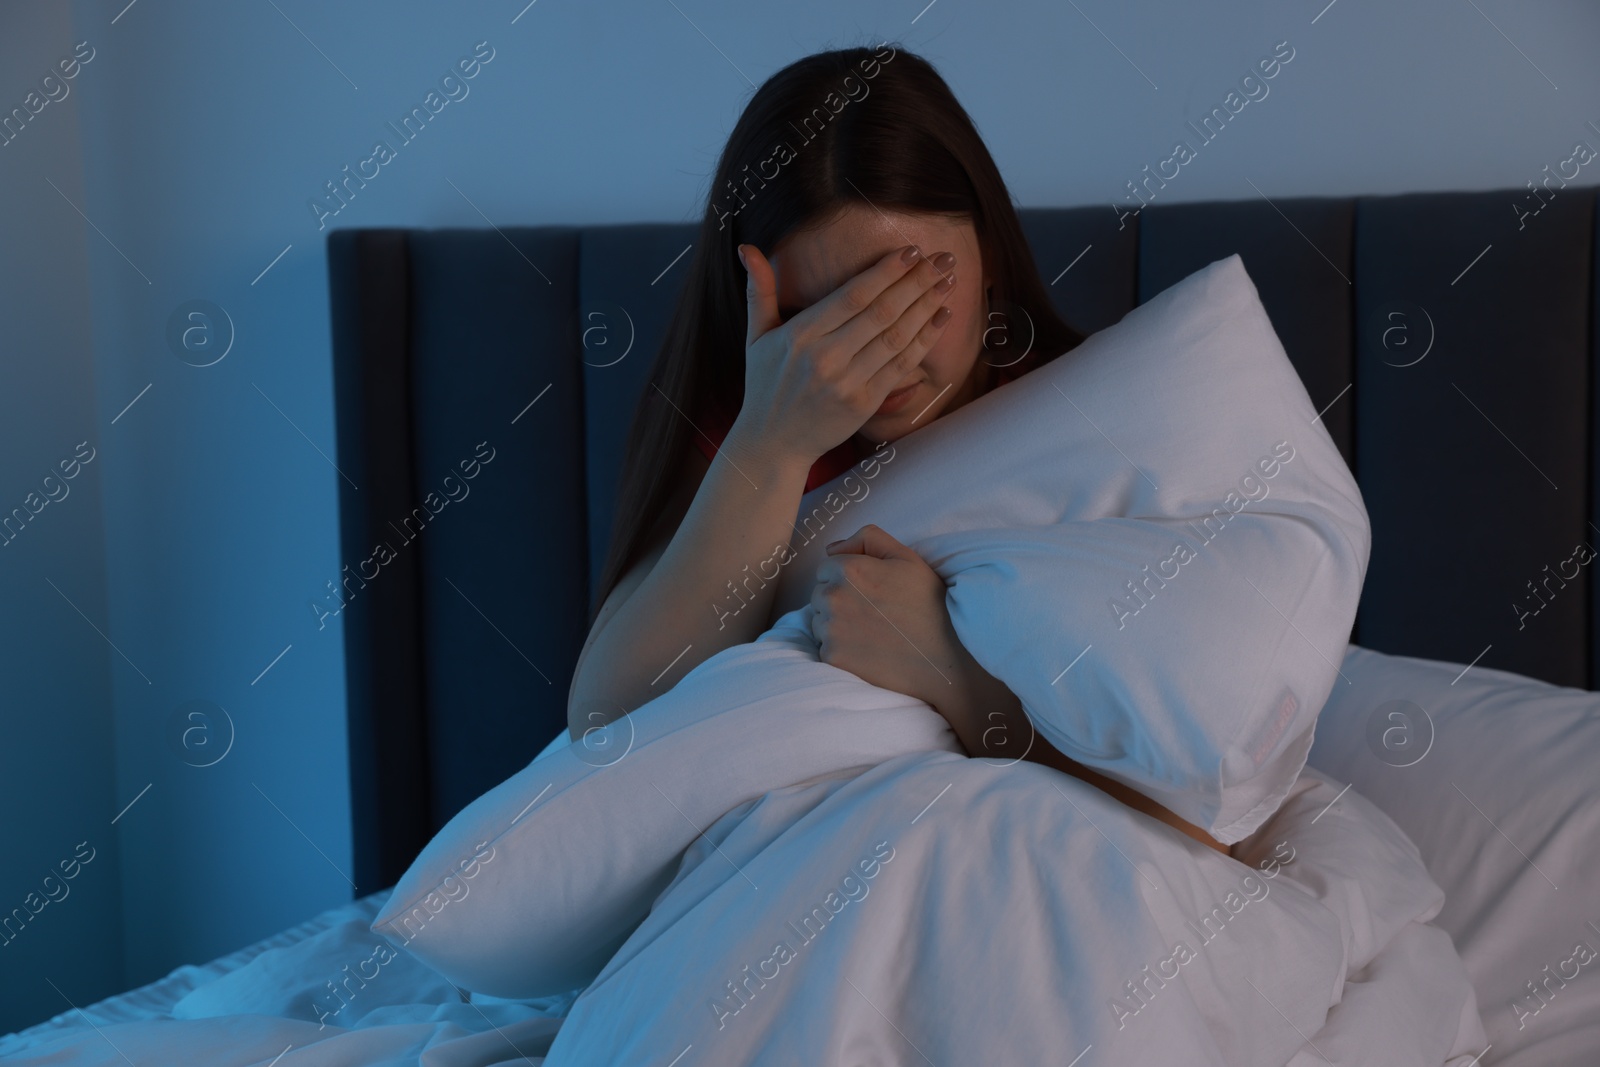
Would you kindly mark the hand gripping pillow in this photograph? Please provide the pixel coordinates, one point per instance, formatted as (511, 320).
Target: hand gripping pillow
(1152, 540)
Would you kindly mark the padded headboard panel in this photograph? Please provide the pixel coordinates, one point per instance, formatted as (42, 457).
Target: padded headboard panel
(485, 381)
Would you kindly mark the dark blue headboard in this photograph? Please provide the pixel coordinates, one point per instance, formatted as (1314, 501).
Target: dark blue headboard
(533, 345)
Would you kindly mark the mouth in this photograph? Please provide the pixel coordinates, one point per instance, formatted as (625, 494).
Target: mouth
(897, 399)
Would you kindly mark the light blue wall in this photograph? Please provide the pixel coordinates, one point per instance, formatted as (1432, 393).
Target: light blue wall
(206, 525)
(57, 787)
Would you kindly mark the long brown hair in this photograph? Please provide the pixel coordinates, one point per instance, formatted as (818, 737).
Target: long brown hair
(855, 125)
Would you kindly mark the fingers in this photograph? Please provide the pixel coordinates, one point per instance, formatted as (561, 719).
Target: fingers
(846, 568)
(888, 357)
(858, 294)
(871, 540)
(897, 314)
(760, 293)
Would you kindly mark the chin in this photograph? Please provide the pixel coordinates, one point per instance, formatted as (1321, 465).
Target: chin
(892, 427)
(878, 431)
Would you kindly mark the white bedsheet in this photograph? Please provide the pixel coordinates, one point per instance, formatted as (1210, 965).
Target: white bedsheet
(259, 1004)
(158, 997)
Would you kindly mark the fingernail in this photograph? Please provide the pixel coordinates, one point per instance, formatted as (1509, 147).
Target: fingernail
(910, 255)
(830, 544)
(942, 316)
(945, 284)
(742, 261)
(944, 261)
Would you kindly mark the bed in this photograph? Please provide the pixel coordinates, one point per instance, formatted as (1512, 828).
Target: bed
(1447, 350)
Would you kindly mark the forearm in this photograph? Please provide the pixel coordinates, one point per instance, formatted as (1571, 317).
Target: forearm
(989, 722)
(986, 716)
(712, 588)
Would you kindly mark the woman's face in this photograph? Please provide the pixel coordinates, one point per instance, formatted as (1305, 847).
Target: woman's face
(812, 263)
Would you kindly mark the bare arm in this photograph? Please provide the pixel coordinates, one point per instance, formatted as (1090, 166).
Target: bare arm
(675, 609)
(989, 721)
(809, 384)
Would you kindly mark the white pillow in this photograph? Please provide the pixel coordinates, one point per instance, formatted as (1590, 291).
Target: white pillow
(533, 886)
(1043, 502)
(1493, 776)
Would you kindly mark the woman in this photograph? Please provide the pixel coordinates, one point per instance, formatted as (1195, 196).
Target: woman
(861, 220)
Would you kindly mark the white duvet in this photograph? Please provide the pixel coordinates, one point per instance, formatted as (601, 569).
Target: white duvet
(945, 910)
